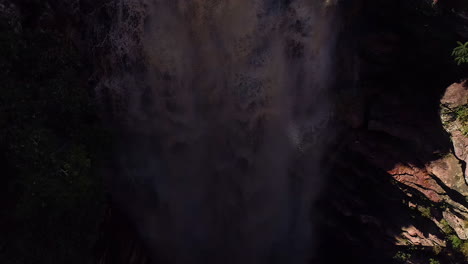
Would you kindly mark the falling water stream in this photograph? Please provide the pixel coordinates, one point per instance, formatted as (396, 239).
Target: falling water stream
(223, 113)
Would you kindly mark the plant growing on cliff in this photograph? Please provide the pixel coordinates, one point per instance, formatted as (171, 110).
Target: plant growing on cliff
(437, 249)
(464, 249)
(425, 211)
(446, 227)
(460, 53)
(462, 115)
(402, 257)
(455, 241)
(459, 245)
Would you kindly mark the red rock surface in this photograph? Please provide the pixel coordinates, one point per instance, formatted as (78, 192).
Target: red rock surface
(419, 179)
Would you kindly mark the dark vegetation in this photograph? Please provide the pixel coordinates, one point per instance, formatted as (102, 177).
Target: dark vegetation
(462, 115)
(50, 194)
(460, 53)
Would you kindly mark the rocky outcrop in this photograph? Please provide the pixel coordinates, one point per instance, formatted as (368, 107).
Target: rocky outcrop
(454, 104)
(441, 180)
(452, 169)
(419, 179)
(435, 188)
(396, 162)
(414, 236)
(457, 221)
(449, 170)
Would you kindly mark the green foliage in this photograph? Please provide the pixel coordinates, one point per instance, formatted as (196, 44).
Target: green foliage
(459, 245)
(437, 249)
(455, 241)
(464, 249)
(402, 257)
(433, 261)
(462, 115)
(460, 53)
(446, 228)
(425, 211)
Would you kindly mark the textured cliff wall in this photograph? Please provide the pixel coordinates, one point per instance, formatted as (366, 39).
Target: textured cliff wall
(389, 185)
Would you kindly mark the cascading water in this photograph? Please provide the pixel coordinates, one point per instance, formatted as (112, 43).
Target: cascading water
(222, 111)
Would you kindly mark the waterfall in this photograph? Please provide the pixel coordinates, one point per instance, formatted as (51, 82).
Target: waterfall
(222, 112)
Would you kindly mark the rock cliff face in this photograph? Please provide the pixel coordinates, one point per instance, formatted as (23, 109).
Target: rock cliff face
(396, 190)
(452, 170)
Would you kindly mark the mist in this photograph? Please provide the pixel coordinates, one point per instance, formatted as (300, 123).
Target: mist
(222, 111)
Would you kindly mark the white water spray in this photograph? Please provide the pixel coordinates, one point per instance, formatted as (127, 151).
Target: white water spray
(225, 123)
